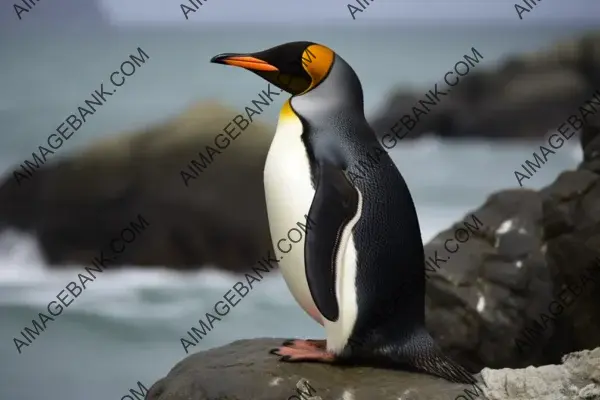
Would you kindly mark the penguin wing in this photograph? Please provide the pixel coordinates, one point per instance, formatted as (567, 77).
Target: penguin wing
(334, 205)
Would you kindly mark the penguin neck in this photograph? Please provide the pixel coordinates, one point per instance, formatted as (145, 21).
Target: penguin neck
(339, 90)
(347, 83)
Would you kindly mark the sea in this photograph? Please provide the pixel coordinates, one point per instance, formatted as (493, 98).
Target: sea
(126, 327)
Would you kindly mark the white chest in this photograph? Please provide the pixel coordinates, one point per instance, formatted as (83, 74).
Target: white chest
(289, 194)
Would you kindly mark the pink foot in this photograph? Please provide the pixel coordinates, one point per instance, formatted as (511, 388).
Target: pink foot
(308, 344)
(298, 350)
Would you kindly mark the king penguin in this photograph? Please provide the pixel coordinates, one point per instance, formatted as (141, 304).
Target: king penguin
(359, 269)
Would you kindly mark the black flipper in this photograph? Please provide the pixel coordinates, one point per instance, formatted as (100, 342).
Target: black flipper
(334, 205)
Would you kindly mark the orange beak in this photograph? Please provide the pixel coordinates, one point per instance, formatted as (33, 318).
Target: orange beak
(243, 61)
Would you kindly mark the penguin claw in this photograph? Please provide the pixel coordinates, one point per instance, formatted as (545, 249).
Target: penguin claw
(288, 342)
(285, 358)
(275, 352)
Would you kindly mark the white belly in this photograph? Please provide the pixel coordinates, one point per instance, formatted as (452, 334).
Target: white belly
(289, 195)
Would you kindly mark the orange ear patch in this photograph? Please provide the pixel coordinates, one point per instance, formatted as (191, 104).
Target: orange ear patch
(317, 60)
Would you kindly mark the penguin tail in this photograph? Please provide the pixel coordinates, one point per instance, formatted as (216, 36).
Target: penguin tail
(419, 353)
(434, 362)
(415, 351)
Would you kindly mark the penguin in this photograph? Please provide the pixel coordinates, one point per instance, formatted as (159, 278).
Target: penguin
(359, 269)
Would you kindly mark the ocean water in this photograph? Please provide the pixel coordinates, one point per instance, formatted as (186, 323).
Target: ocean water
(126, 327)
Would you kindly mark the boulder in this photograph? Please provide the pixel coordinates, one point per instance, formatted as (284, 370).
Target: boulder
(514, 284)
(518, 283)
(524, 97)
(577, 377)
(245, 370)
(77, 205)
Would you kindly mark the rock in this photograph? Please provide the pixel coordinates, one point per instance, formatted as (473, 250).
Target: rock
(245, 370)
(481, 297)
(577, 378)
(525, 97)
(572, 238)
(590, 142)
(78, 205)
(524, 286)
(515, 284)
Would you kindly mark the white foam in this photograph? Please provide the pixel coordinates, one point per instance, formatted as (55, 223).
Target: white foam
(576, 153)
(20, 257)
(26, 279)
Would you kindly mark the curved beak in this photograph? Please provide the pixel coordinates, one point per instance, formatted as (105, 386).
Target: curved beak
(243, 60)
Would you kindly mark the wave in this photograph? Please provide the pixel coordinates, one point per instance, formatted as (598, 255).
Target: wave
(27, 283)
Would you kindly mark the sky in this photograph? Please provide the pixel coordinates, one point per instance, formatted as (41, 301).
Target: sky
(302, 11)
(298, 12)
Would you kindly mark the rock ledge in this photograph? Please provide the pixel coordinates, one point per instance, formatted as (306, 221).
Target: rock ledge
(245, 370)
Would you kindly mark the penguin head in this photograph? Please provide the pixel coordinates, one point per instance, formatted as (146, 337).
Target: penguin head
(296, 67)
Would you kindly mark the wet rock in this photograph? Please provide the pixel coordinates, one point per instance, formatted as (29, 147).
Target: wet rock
(525, 97)
(572, 226)
(578, 377)
(493, 283)
(523, 287)
(590, 141)
(245, 370)
(78, 205)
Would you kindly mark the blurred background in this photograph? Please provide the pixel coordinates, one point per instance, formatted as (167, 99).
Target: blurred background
(127, 158)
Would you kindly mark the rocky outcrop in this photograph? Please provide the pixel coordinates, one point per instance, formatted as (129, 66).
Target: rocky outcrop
(578, 377)
(245, 370)
(525, 97)
(515, 284)
(523, 287)
(77, 206)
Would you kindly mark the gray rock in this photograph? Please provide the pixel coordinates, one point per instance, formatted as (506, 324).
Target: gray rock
(524, 97)
(482, 297)
(524, 289)
(488, 304)
(76, 206)
(244, 370)
(577, 378)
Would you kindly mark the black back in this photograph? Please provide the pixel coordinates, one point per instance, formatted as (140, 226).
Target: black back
(390, 267)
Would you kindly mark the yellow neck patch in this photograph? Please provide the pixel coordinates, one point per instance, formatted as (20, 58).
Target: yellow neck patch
(287, 113)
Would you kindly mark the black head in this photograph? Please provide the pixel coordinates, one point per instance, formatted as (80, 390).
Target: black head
(295, 67)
